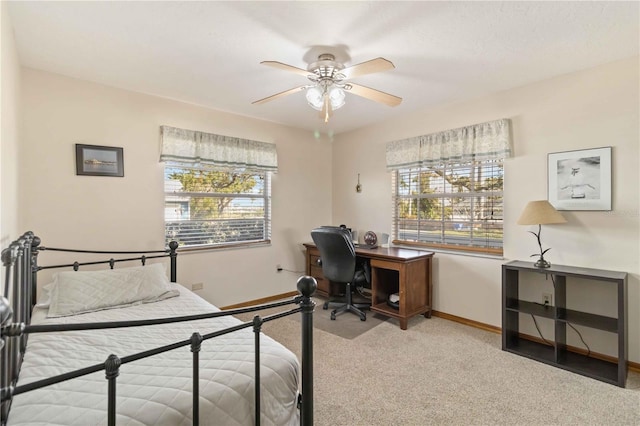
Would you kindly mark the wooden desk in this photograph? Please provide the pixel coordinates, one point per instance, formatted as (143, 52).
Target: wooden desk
(393, 270)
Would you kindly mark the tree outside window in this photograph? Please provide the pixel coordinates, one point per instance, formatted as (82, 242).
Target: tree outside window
(223, 207)
(455, 206)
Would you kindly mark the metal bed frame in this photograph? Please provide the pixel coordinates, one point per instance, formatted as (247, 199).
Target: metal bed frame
(20, 260)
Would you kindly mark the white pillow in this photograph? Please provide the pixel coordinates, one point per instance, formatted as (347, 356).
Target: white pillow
(76, 292)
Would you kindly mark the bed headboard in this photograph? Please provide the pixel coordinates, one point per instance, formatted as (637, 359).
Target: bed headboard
(19, 291)
(143, 256)
(20, 261)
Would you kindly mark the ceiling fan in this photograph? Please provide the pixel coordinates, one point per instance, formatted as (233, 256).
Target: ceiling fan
(326, 92)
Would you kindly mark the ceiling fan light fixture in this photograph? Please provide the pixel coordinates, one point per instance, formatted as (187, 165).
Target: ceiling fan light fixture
(336, 96)
(314, 98)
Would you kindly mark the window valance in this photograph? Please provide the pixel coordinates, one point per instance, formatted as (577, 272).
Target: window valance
(190, 148)
(479, 142)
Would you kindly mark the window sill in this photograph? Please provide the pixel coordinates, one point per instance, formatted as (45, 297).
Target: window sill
(453, 251)
(464, 253)
(198, 249)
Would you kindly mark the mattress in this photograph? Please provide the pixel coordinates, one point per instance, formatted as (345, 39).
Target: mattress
(156, 390)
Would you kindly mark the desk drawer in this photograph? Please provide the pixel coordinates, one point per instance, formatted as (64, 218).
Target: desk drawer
(313, 260)
(386, 264)
(316, 272)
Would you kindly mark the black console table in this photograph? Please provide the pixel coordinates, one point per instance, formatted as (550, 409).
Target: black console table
(558, 355)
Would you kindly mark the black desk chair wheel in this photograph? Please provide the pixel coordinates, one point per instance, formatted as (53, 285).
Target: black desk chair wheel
(338, 256)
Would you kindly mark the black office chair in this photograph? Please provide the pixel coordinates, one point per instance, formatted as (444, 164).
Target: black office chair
(338, 261)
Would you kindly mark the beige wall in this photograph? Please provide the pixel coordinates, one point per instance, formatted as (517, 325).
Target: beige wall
(9, 123)
(127, 213)
(593, 108)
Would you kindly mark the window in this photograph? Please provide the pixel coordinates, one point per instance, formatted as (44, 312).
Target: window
(447, 187)
(205, 206)
(453, 206)
(217, 188)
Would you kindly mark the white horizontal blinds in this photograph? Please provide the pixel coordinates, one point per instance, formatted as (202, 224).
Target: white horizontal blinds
(394, 206)
(454, 201)
(459, 205)
(215, 200)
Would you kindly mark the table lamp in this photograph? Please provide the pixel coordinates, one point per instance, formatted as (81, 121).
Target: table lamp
(540, 213)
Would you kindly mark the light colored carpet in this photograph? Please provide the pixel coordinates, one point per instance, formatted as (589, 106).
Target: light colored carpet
(445, 373)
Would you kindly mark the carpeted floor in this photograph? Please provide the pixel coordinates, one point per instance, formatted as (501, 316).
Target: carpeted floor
(445, 373)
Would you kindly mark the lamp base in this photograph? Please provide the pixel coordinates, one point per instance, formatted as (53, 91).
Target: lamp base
(541, 263)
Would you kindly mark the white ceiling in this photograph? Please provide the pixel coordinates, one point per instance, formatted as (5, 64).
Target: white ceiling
(209, 53)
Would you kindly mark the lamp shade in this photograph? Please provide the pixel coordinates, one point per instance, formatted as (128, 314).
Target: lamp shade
(540, 213)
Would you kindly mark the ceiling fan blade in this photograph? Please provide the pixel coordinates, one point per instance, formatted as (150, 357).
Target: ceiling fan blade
(279, 95)
(286, 67)
(368, 67)
(374, 95)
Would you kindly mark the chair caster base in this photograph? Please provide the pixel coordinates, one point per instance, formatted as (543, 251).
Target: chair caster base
(351, 308)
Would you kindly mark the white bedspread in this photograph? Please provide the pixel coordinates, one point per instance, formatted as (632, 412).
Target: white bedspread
(156, 390)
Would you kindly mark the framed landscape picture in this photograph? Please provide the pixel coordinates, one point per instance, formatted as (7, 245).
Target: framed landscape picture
(95, 160)
(580, 180)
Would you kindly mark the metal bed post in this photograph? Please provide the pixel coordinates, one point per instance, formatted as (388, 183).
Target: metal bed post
(196, 343)
(7, 344)
(26, 275)
(17, 284)
(14, 344)
(5, 378)
(173, 254)
(112, 370)
(35, 249)
(22, 308)
(25, 282)
(257, 325)
(8, 257)
(307, 286)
